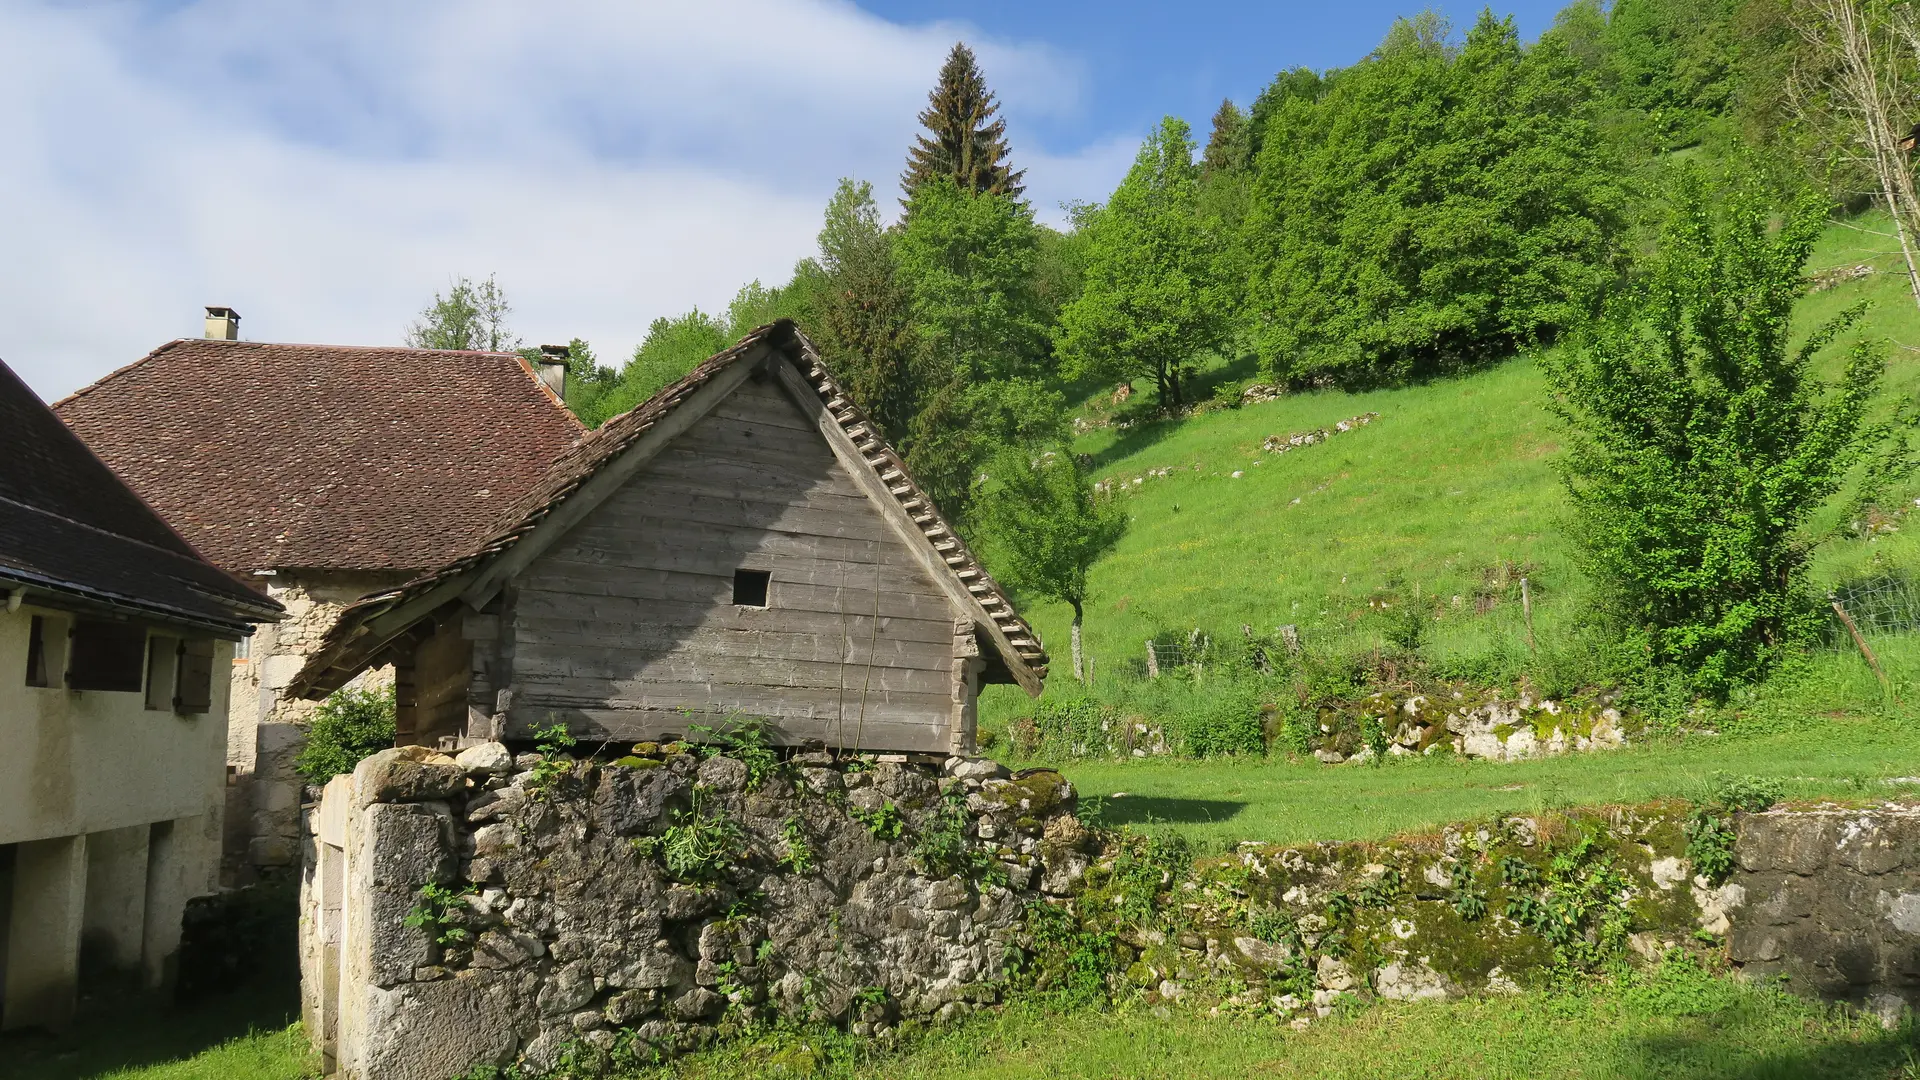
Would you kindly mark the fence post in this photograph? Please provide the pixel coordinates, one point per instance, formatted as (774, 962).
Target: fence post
(1153, 662)
(1526, 609)
(1860, 640)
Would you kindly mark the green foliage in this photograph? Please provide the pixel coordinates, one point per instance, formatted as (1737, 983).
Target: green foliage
(671, 348)
(471, 315)
(964, 144)
(1076, 960)
(1154, 294)
(441, 911)
(351, 724)
(942, 848)
(747, 739)
(799, 858)
(701, 845)
(1145, 868)
(1225, 720)
(969, 263)
(1432, 206)
(555, 767)
(884, 823)
(1700, 445)
(862, 314)
(1042, 526)
(1709, 828)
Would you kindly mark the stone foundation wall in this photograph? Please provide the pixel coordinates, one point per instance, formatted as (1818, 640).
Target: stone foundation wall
(266, 728)
(1831, 901)
(499, 908)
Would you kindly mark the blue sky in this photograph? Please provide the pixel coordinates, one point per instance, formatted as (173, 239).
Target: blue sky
(1142, 60)
(325, 166)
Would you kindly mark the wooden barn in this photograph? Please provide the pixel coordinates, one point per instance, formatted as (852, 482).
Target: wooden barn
(744, 544)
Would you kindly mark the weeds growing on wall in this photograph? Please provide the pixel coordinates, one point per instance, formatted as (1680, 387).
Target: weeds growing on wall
(555, 766)
(441, 911)
(701, 845)
(351, 724)
(745, 739)
(1710, 831)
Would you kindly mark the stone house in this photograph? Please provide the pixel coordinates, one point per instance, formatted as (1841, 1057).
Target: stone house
(744, 544)
(322, 472)
(114, 634)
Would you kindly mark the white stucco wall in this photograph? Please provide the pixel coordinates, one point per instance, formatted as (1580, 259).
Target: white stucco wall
(90, 761)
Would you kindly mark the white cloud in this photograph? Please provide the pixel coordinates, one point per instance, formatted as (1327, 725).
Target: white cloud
(325, 167)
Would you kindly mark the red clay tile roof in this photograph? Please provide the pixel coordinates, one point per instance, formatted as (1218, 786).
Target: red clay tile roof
(322, 456)
(70, 528)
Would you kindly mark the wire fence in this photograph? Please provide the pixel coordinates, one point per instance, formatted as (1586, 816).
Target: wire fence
(1885, 602)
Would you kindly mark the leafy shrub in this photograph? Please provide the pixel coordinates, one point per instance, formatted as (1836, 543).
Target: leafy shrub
(1710, 832)
(1066, 727)
(350, 725)
(1226, 721)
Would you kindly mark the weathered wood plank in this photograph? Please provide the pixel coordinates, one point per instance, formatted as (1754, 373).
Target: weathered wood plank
(634, 540)
(727, 475)
(819, 702)
(608, 674)
(645, 507)
(655, 724)
(808, 499)
(822, 590)
(830, 646)
(592, 569)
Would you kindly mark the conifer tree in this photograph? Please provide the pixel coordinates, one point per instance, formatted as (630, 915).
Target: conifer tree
(1228, 147)
(964, 142)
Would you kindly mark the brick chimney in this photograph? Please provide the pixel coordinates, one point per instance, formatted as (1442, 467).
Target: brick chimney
(223, 324)
(553, 368)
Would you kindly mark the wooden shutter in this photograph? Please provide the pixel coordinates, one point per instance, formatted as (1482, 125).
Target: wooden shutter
(195, 693)
(107, 656)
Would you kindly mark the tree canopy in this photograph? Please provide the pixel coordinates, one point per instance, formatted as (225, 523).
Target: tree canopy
(1153, 300)
(1434, 205)
(470, 315)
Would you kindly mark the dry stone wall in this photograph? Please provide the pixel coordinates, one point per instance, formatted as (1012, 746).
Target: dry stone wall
(495, 909)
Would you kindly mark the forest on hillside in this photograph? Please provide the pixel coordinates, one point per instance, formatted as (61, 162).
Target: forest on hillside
(1454, 197)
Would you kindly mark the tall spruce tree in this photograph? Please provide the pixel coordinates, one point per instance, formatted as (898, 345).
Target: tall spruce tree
(964, 144)
(1228, 148)
(863, 314)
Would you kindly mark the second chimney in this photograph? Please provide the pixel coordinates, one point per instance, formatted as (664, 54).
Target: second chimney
(223, 324)
(553, 368)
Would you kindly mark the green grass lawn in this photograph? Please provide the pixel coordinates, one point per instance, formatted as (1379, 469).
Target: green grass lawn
(1449, 494)
(243, 1035)
(1677, 1023)
(1220, 801)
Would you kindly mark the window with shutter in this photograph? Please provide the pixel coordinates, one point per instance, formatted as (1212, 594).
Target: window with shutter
(39, 667)
(106, 656)
(163, 662)
(195, 686)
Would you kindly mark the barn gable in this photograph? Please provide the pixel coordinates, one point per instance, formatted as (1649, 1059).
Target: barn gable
(608, 602)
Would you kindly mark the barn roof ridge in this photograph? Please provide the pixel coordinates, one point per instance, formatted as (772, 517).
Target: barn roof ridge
(351, 644)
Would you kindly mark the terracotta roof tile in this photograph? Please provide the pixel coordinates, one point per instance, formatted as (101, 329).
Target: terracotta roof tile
(321, 456)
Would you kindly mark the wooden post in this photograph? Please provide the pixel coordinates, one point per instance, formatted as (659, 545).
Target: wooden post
(1153, 662)
(1526, 609)
(1861, 641)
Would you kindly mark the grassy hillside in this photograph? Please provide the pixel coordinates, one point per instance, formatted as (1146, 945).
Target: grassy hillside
(1441, 503)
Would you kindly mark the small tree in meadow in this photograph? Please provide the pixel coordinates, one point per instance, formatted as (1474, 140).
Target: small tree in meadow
(1043, 527)
(1699, 444)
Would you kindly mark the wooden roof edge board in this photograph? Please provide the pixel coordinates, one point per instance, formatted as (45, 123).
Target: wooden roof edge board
(604, 459)
(813, 400)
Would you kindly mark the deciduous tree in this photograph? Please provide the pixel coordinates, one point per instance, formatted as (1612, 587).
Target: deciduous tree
(1043, 527)
(1699, 443)
(1152, 298)
(471, 315)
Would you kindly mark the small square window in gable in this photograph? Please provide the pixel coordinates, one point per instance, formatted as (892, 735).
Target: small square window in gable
(750, 587)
